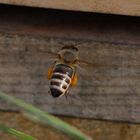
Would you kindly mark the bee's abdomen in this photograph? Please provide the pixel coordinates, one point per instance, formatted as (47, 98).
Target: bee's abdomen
(61, 79)
(59, 84)
(63, 69)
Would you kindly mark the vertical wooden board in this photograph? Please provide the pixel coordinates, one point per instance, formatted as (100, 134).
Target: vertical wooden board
(109, 89)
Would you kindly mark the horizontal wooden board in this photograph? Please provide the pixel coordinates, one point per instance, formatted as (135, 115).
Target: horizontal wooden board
(125, 7)
(98, 130)
(109, 89)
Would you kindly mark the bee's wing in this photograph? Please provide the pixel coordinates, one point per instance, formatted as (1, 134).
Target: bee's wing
(87, 72)
(47, 60)
(49, 56)
(83, 63)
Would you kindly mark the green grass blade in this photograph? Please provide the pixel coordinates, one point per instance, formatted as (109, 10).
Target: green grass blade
(45, 118)
(16, 133)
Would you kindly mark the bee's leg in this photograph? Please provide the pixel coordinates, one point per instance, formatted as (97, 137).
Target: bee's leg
(74, 80)
(50, 71)
(49, 92)
(49, 74)
(66, 95)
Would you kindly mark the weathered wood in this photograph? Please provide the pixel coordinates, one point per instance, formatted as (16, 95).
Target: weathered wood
(98, 130)
(124, 7)
(110, 89)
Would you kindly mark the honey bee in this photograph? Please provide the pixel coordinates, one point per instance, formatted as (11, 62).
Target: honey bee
(63, 73)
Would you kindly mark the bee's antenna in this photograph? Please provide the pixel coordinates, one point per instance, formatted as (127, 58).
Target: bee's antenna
(70, 44)
(61, 43)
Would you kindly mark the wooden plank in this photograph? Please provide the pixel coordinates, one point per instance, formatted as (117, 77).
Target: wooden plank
(110, 90)
(125, 7)
(98, 130)
(107, 92)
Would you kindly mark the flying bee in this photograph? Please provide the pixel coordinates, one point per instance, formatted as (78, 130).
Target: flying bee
(63, 73)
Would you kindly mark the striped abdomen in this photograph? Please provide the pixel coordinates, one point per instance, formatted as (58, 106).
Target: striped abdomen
(60, 80)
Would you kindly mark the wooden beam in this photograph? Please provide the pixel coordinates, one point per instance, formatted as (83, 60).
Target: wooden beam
(123, 7)
(98, 130)
(109, 90)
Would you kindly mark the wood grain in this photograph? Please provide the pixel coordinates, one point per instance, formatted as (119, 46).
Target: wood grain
(125, 7)
(108, 89)
(99, 130)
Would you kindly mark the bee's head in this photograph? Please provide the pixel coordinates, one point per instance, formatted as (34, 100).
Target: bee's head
(69, 54)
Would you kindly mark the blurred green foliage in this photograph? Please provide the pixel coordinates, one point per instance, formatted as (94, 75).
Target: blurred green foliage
(42, 117)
